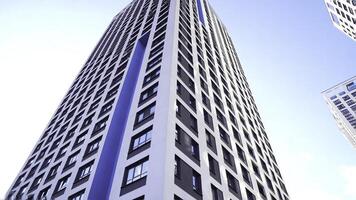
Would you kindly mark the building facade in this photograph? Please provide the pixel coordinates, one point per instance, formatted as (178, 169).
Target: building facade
(161, 110)
(343, 15)
(341, 100)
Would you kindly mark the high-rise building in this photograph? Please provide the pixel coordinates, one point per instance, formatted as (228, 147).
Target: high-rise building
(161, 110)
(341, 100)
(343, 15)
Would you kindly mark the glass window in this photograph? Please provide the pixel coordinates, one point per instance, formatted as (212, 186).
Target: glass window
(136, 172)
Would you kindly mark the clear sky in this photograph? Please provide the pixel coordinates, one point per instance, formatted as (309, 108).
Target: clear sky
(289, 50)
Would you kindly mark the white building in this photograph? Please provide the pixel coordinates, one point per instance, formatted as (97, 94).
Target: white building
(343, 15)
(341, 100)
(161, 110)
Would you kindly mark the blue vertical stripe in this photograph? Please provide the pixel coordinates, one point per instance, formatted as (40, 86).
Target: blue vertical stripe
(201, 12)
(105, 171)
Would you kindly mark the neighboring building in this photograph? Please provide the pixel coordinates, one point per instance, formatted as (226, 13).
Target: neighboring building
(341, 100)
(343, 15)
(161, 110)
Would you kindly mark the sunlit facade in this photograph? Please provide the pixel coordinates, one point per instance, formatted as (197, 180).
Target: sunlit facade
(161, 110)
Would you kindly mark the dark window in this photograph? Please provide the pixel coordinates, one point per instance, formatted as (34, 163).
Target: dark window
(46, 162)
(233, 184)
(61, 186)
(92, 148)
(71, 160)
(246, 175)
(106, 107)
(225, 137)
(77, 196)
(250, 195)
(36, 182)
(100, 126)
(261, 190)
(241, 154)
(42, 195)
(196, 182)
(228, 158)
(206, 100)
(216, 193)
(208, 119)
(83, 173)
(52, 173)
(186, 117)
(145, 114)
(186, 79)
(186, 96)
(210, 140)
(87, 121)
(55, 144)
(62, 151)
(80, 139)
(214, 168)
(148, 94)
(151, 76)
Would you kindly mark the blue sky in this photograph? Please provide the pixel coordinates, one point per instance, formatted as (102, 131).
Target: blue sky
(289, 50)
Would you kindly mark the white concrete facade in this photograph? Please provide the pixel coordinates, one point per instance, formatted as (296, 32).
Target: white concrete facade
(343, 16)
(341, 100)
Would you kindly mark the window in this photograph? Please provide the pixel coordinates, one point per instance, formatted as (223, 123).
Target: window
(145, 114)
(77, 196)
(241, 154)
(233, 184)
(216, 193)
(148, 94)
(151, 76)
(225, 137)
(100, 126)
(87, 121)
(261, 190)
(186, 79)
(187, 144)
(246, 175)
(32, 171)
(256, 170)
(106, 107)
(36, 182)
(52, 172)
(206, 100)
(177, 166)
(61, 185)
(250, 195)
(46, 162)
(42, 195)
(19, 180)
(196, 182)
(186, 118)
(22, 191)
(186, 96)
(228, 158)
(210, 141)
(62, 151)
(83, 173)
(141, 139)
(80, 139)
(55, 144)
(136, 171)
(177, 197)
(71, 160)
(208, 119)
(92, 147)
